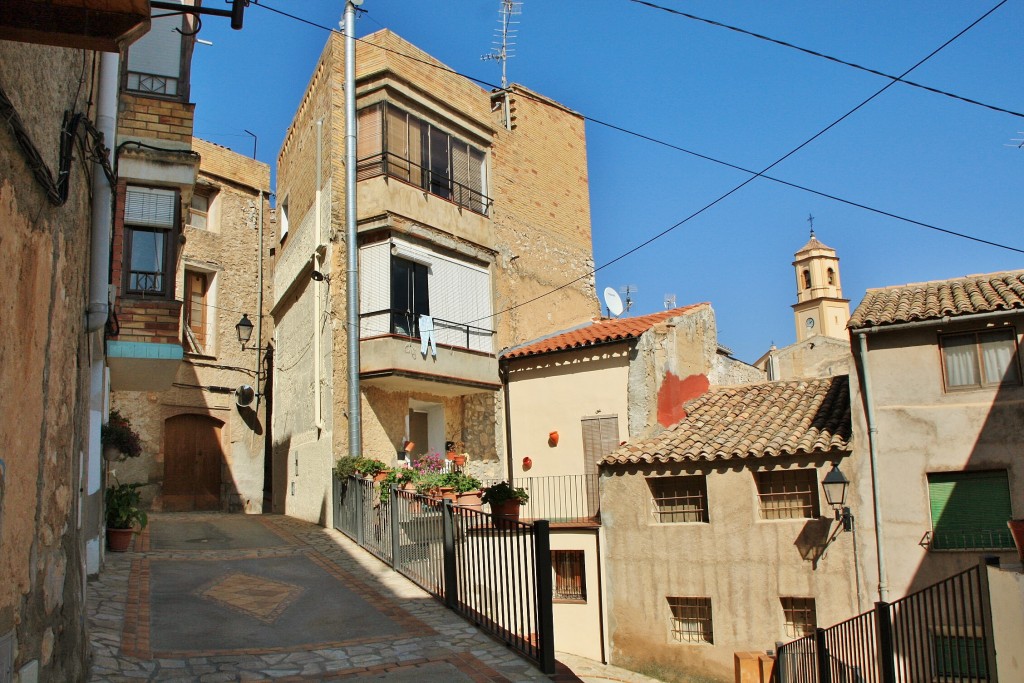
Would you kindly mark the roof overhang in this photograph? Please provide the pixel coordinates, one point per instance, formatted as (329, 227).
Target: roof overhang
(105, 25)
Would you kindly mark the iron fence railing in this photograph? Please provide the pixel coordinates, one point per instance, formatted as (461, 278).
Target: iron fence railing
(440, 184)
(940, 633)
(494, 572)
(565, 498)
(407, 324)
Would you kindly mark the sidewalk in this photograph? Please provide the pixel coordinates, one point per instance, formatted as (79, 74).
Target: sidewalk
(216, 597)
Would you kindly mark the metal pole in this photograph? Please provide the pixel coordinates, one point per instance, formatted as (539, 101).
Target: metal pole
(451, 583)
(869, 411)
(886, 649)
(545, 610)
(259, 301)
(355, 432)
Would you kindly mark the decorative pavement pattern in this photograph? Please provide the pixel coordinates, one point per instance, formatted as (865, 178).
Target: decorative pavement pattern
(213, 597)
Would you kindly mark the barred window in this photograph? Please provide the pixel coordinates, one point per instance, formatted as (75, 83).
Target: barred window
(799, 615)
(569, 578)
(788, 494)
(679, 499)
(691, 620)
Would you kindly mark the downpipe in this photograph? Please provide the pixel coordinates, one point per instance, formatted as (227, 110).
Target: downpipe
(98, 309)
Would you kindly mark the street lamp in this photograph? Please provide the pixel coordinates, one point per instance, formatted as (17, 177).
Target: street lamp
(835, 485)
(244, 330)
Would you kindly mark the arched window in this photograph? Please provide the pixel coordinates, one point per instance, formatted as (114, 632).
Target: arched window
(831, 276)
(807, 279)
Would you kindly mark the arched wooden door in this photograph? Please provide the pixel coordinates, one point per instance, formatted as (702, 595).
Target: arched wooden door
(192, 463)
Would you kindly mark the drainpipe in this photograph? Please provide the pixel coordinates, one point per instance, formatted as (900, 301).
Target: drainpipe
(869, 411)
(355, 431)
(102, 205)
(503, 374)
(318, 406)
(259, 301)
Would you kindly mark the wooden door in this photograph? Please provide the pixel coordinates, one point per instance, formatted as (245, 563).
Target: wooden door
(418, 433)
(192, 463)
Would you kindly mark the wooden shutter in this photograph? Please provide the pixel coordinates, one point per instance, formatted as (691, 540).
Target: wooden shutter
(195, 310)
(398, 145)
(600, 436)
(970, 509)
(369, 142)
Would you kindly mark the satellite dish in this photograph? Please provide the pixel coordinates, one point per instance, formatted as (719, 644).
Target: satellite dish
(612, 300)
(244, 395)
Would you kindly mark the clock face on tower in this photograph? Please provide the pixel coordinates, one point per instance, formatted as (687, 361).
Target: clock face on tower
(810, 323)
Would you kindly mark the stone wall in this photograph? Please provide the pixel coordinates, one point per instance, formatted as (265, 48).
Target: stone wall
(44, 361)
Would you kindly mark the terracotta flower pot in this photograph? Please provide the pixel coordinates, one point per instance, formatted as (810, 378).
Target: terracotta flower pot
(470, 499)
(458, 460)
(506, 513)
(380, 476)
(112, 453)
(118, 540)
(1017, 531)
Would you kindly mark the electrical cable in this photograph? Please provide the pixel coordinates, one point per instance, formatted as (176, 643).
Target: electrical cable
(830, 58)
(754, 174)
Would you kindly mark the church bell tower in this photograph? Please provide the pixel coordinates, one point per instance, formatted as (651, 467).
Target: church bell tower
(820, 307)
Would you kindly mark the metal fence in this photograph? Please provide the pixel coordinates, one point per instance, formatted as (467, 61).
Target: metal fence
(940, 633)
(567, 498)
(495, 573)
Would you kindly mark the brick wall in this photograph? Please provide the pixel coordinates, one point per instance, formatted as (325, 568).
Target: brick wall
(152, 118)
(221, 162)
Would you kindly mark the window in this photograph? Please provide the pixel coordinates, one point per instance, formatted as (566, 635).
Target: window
(691, 620)
(282, 219)
(194, 312)
(157, 64)
(807, 279)
(970, 510)
(980, 359)
(568, 577)
(831, 276)
(200, 209)
(409, 296)
(679, 499)
(600, 436)
(149, 216)
(788, 494)
(960, 657)
(799, 615)
(393, 142)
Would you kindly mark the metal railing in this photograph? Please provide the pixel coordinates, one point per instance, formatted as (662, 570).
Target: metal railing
(440, 184)
(495, 573)
(968, 539)
(940, 633)
(447, 332)
(565, 498)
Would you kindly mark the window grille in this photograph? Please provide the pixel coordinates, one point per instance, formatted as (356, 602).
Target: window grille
(569, 579)
(800, 616)
(788, 494)
(679, 499)
(690, 620)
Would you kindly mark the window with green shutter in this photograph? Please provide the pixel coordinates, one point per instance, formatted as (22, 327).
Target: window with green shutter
(970, 510)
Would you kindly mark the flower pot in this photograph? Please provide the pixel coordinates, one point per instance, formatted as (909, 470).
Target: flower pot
(469, 499)
(447, 493)
(118, 540)
(458, 460)
(1017, 531)
(112, 453)
(506, 513)
(380, 476)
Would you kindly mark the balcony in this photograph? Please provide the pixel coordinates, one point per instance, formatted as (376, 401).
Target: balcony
(106, 25)
(392, 356)
(144, 349)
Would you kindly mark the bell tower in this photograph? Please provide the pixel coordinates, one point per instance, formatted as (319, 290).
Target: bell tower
(820, 307)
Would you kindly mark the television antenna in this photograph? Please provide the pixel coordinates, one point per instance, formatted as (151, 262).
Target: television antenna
(670, 301)
(504, 37)
(627, 292)
(613, 302)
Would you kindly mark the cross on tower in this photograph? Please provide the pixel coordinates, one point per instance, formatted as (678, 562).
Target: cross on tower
(810, 219)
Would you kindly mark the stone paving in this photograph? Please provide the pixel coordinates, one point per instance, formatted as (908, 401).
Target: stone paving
(212, 597)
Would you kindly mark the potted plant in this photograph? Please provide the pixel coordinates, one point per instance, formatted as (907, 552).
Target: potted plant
(467, 489)
(505, 500)
(345, 467)
(371, 468)
(122, 514)
(119, 439)
(400, 477)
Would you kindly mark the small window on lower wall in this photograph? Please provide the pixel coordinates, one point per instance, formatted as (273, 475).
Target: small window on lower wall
(799, 615)
(690, 620)
(679, 499)
(569, 581)
(788, 494)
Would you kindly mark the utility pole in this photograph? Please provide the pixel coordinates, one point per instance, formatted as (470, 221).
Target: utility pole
(355, 419)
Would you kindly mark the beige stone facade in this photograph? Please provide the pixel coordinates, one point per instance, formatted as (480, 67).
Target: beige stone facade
(218, 278)
(484, 215)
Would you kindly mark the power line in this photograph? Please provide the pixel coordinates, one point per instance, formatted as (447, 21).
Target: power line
(837, 60)
(754, 174)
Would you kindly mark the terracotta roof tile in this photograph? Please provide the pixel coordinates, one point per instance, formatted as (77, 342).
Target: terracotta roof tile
(752, 421)
(931, 300)
(597, 331)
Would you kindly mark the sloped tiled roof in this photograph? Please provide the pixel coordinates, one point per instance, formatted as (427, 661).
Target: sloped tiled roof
(597, 332)
(752, 421)
(931, 300)
(813, 244)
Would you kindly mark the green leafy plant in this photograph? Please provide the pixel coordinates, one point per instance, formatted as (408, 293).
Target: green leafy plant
(345, 467)
(396, 477)
(460, 481)
(427, 481)
(370, 467)
(503, 491)
(122, 503)
(118, 433)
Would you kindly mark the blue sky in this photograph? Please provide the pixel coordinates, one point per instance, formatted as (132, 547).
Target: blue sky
(729, 96)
